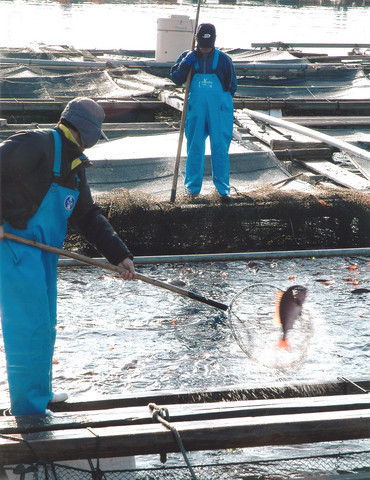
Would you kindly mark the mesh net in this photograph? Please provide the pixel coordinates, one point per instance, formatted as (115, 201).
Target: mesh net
(310, 467)
(38, 83)
(258, 334)
(267, 218)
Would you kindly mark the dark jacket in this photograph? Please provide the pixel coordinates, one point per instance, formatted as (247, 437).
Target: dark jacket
(26, 172)
(225, 70)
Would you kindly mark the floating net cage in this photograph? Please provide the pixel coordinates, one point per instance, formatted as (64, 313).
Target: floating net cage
(265, 219)
(303, 467)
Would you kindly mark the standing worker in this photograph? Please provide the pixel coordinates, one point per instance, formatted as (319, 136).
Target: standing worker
(210, 110)
(43, 186)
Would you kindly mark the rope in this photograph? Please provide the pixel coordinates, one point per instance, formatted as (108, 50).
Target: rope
(97, 473)
(21, 469)
(162, 416)
(16, 439)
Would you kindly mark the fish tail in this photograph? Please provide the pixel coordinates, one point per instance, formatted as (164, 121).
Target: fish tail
(283, 343)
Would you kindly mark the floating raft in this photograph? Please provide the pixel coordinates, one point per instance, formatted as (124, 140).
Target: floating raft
(214, 419)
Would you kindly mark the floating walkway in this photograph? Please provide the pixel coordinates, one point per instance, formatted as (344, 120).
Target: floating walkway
(213, 419)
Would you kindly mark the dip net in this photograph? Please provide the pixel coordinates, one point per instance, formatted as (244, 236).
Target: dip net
(250, 318)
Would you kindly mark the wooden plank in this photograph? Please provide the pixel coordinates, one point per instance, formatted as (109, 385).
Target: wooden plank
(217, 394)
(261, 132)
(235, 392)
(182, 412)
(274, 138)
(112, 130)
(196, 436)
(293, 144)
(313, 134)
(174, 100)
(109, 106)
(304, 153)
(301, 106)
(337, 174)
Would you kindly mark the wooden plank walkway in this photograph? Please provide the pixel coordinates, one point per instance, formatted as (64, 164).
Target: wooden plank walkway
(312, 106)
(289, 107)
(226, 394)
(139, 415)
(132, 431)
(337, 174)
(215, 418)
(112, 130)
(280, 137)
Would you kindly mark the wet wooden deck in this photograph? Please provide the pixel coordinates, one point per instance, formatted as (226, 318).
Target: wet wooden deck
(125, 426)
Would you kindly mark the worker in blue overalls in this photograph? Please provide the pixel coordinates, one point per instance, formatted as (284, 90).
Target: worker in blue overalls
(210, 110)
(43, 186)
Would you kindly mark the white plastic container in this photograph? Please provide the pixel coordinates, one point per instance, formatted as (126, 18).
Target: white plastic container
(174, 35)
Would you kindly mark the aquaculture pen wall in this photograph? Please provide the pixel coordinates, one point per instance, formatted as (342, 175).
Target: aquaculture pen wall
(266, 219)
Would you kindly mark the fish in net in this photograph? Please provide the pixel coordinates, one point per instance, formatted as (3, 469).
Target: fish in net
(272, 327)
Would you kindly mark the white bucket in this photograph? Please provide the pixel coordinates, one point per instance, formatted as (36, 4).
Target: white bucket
(174, 36)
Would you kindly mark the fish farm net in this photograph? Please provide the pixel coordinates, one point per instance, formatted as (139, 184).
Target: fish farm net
(303, 467)
(264, 219)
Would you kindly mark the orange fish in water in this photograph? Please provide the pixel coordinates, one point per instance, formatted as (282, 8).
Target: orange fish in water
(288, 307)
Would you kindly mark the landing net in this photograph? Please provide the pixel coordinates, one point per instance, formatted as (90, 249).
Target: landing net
(250, 318)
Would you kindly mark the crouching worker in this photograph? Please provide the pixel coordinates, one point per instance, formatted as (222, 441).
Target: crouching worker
(43, 186)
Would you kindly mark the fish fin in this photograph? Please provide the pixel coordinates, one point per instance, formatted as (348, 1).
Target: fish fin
(276, 318)
(283, 344)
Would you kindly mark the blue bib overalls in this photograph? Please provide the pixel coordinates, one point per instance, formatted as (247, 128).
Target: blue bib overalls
(28, 294)
(210, 112)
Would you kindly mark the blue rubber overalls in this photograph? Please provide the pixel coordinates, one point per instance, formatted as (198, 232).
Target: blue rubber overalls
(28, 295)
(210, 112)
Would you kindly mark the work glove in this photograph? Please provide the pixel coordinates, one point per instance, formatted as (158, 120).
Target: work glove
(190, 58)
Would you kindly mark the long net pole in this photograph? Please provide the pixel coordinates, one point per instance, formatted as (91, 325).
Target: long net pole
(183, 117)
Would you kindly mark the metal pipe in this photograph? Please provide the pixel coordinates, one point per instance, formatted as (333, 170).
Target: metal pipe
(345, 146)
(236, 257)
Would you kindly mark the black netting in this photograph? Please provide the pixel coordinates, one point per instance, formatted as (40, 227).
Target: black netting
(267, 218)
(312, 467)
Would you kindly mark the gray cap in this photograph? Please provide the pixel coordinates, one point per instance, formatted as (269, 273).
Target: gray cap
(87, 117)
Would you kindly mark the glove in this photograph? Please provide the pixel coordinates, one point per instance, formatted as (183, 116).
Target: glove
(190, 58)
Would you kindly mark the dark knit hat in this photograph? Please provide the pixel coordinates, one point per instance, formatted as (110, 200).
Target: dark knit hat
(86, 116)
(206, 35)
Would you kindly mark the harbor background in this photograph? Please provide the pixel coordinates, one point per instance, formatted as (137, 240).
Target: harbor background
(133, 25)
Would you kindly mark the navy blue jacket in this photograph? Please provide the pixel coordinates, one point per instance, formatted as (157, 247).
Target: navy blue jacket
(225, 70)
(26, 172)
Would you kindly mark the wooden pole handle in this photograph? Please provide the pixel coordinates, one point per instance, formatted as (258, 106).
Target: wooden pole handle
(183, 117)
(114, 268)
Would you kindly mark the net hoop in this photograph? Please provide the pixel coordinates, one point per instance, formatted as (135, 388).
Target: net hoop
(251, 326)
